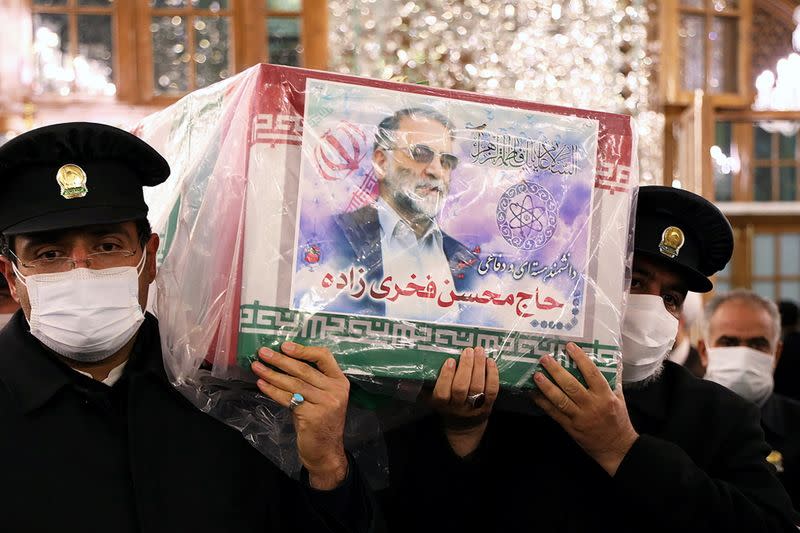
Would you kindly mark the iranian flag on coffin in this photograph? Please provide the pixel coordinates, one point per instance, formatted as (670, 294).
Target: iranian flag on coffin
(396, 224)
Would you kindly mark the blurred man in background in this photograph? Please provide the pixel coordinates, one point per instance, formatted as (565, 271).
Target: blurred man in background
(740, 348)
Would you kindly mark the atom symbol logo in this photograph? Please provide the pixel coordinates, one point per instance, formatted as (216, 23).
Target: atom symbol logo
(526, 215)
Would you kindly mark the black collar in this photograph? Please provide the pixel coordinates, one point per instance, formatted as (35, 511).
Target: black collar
(649, 402)
(33, 374)
(146, 353)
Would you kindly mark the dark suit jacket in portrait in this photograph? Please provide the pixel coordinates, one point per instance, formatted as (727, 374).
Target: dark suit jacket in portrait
(356, 236)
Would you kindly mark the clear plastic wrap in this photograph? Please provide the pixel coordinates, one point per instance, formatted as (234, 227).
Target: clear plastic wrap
(462, 220)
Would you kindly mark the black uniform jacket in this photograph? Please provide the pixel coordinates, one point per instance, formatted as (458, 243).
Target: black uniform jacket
(787, 373)
(780, 419)
(77, 455)
(698, 465)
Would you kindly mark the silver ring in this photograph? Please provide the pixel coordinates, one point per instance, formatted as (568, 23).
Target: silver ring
(476, 401)
(296, 400)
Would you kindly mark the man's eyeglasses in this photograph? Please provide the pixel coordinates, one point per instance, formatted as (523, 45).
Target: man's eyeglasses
(96, 260)
(422, 153)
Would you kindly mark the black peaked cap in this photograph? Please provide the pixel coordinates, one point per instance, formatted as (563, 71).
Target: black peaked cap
(75, 174)
(684, 231)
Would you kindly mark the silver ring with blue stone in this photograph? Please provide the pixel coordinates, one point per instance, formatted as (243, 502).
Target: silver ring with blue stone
(296, 400)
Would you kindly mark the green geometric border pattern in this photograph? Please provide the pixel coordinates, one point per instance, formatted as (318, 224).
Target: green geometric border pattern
(378, 347)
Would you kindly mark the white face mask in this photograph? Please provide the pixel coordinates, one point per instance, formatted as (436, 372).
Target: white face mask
(745, 371)
(5, 318)
(85, 315)
(648, 333)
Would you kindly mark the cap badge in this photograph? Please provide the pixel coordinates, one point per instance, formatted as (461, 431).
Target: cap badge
(72, 180)
(671, 242)
(775, 458)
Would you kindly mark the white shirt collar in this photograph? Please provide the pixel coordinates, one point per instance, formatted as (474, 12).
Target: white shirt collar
(112, 377)
(393, 226)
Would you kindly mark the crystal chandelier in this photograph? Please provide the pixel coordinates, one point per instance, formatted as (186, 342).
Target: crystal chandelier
(59, 74)
(781, 92)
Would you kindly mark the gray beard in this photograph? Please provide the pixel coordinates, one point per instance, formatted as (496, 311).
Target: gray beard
(420, 209)
(642, 383)
(405, 196)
